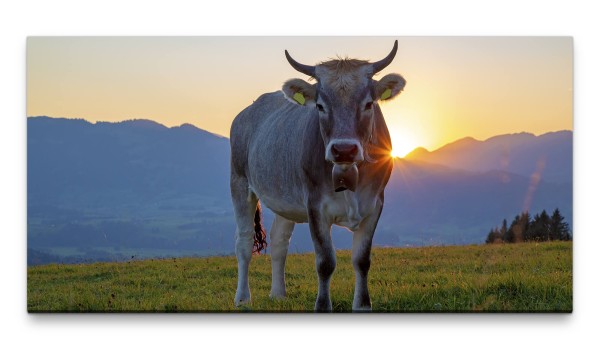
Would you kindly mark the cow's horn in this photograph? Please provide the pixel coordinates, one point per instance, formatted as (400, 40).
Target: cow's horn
(380, 65)
(305, 69)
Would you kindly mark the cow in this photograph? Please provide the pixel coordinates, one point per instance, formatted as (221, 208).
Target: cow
(319, 154)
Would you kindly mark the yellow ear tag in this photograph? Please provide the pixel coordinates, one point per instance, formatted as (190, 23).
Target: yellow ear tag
(299, 98)
(386, 94)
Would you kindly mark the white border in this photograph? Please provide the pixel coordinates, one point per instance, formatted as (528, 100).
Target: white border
(308, 17)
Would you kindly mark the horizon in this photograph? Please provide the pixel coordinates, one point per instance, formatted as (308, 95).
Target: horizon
(227, 137)
(456, 86)
(134, 172)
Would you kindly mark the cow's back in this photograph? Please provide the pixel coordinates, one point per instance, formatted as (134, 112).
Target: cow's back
(245, 125)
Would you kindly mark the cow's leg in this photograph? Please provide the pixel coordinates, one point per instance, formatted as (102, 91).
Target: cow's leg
(244, 208)
(281, 232)
(361, 260)
(320, 232)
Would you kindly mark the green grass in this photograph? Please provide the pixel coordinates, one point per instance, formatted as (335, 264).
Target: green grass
(526, 277)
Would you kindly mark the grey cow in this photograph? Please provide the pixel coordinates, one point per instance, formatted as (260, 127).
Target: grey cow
(316, 153)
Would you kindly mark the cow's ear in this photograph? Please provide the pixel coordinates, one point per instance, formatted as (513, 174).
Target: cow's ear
(389, 86)
(299, 92)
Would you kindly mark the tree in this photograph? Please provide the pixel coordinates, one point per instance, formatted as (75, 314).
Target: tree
(494, 236)
(509, 236)
(518, 228)
(533, 233)
(539, 229)
(503, 229)
(490, 237)
(558, 228)
(523, 228)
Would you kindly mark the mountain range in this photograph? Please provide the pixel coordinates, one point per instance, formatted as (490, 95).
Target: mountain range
(113, 191)
(550, 155)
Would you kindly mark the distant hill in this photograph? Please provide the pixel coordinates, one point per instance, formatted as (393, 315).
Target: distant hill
(134, 187)
(434, 204)
(139, 189)
(550, 154)
(70, 159)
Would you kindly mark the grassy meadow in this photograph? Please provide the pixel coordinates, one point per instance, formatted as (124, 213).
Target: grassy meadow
(526, 277)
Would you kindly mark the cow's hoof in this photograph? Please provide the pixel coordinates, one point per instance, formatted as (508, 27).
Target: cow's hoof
(361, 304)
(277, 295)
(360, 309)
(323, 306)
(242, 298)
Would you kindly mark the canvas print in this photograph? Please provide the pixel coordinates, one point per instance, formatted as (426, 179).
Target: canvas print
(299, 174)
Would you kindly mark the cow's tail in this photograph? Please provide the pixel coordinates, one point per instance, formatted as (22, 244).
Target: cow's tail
(260, 236)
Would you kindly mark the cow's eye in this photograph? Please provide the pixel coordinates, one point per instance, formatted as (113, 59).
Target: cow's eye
(320, 108)
(368, 105)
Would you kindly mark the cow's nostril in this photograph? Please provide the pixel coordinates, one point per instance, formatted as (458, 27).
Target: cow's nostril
(344, 152)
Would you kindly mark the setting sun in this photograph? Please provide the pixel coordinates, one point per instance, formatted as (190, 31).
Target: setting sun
(402, 143)
(394, 153)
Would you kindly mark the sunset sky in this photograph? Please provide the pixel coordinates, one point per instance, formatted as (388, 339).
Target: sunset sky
(456, 86)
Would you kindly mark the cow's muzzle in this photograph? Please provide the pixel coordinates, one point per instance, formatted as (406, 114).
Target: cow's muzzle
(344, 151)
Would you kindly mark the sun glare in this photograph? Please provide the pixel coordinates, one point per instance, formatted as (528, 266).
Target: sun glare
(402, 143)
(395, 154)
